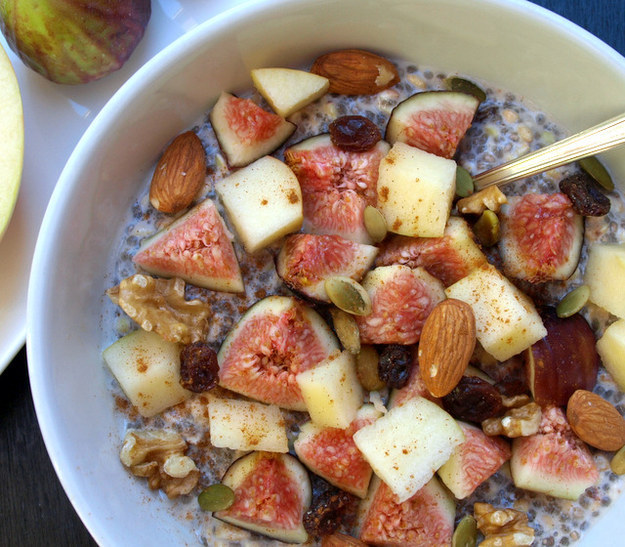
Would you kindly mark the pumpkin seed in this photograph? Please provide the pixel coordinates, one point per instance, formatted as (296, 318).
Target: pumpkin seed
(455, 83)
(464, 182)
(375, 223)
(367, 368)
(348, 295)
(573, 301)
(486, 229)
(465, 534)
(346, 329)
(597, 171)
(216, 497)
(618, 462)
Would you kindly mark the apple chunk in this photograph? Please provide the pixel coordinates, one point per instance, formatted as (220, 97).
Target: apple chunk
(611, 349)
(246, 425)
(12, 139)
(147, 367)
(407, 445)
(506, 320)
(263, 201)
(288, 90)
(604, 273)
(331, 390)
(415, 191)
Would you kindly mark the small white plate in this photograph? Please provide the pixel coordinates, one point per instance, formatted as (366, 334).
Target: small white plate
(55, 117)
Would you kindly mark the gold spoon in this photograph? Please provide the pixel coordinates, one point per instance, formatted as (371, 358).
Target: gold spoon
(591, 141)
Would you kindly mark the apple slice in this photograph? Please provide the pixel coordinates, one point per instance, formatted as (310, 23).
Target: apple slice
(331, 390)
(288, 90)
(407, 445)
(245, 131)
(506, 320)
(246, 425)
(604, 273)
(147, 367)
(415, 191)
(611, 349)
(263, 202)
(12, 139)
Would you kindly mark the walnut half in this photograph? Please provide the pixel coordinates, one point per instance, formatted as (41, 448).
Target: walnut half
(159, 305)
(502, 527)
(159, 455)
(517, 422)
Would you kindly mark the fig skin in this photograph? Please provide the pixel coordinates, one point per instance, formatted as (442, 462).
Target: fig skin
(74, 41)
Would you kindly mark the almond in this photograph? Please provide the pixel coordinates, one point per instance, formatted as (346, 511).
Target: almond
(595, 421)
(179, 174)
(356, 72)
(446, 345)
(341, 540)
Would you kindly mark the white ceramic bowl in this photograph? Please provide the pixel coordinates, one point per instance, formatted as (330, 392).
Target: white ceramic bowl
(545, 59)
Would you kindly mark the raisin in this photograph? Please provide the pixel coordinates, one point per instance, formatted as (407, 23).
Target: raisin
(354, 133)
(328, 512)
(198, 367)
(586, 198)
(473, 400)
(395, 365)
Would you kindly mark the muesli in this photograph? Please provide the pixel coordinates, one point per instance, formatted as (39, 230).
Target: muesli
(332, 337)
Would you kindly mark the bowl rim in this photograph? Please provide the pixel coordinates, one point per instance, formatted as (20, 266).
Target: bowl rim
(42, 394)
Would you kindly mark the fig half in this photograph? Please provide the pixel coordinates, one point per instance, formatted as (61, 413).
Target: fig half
(271, 493)
(275, 340)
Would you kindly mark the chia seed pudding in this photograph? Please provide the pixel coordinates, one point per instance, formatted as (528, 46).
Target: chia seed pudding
(504, 128)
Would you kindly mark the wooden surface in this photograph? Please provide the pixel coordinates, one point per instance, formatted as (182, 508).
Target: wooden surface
(34, 510)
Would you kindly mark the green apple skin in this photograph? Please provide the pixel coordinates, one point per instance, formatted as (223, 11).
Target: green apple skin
(74, 41)
(11, 140)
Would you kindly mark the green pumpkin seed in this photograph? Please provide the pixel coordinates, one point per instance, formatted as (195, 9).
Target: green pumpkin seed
(455, 83)
(486, 229)
(367, 369)
(597, 171)
(465, 534)
(348, 295)
(618, 462)
(347, 330)
(464, 182)
(573, 301)
(375, 223)
(216, 498)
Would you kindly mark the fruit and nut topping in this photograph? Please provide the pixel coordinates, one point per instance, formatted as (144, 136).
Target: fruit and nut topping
(502, 527)
(446, 345)
(159, 455)
(595, 420)
(159, 305)
(341, 342)
(179, 174)
(491, 199)
(522, 421)
(356, 72)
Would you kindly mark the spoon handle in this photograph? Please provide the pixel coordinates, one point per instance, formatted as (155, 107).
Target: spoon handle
(591, 141)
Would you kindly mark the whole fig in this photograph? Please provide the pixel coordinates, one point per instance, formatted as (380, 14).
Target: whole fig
(74, 41)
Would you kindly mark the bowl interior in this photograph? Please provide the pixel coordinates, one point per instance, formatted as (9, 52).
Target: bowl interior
(513, 44)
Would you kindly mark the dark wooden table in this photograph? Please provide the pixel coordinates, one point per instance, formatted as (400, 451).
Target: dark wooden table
(34, 510)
